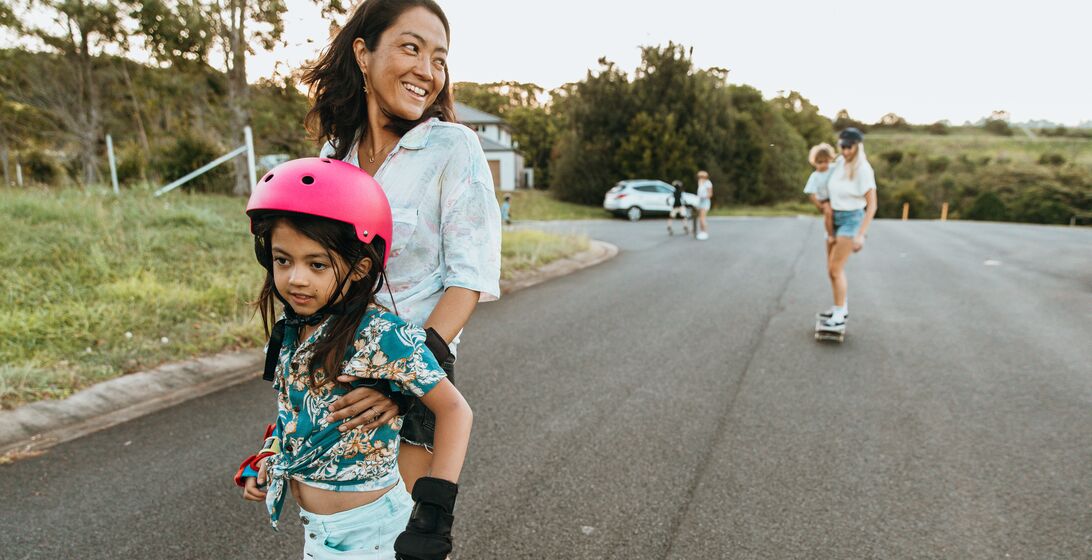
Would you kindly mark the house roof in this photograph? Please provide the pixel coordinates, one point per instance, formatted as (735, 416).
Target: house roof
(469, 115)
(490, 145)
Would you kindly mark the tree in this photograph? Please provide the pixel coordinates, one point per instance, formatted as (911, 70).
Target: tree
(669, 121)
(804, 116)
(189, 31)
(891, 120)
(999, 127)
(843, 121)
(79, 31)
(534, 129)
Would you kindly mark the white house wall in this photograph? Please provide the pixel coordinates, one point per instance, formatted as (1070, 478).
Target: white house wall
(508, 169)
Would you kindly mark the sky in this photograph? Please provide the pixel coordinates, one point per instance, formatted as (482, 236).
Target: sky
(925, 60)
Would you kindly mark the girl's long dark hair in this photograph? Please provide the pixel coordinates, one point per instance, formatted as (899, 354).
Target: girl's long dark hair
(340, 240)
(339, 108)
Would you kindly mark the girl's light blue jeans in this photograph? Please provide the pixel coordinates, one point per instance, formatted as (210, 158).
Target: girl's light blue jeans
(362, 533)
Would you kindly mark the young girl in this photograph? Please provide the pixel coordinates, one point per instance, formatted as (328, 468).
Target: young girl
(322, 230)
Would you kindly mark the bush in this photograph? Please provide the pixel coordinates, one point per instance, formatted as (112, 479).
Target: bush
(938, 164)
(891, 204)
(987, 206)
(892, 158)
(132, 164)
(188, 153)
(39, 167)
(1052, 158)
(938, 128)
(998, 127)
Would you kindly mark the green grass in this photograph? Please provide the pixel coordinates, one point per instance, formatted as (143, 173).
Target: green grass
(527, 249)
(96, 286)
(531, 205)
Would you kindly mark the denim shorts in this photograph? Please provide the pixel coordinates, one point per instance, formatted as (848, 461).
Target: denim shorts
(362, 533)
(847, 222)
(419, 423)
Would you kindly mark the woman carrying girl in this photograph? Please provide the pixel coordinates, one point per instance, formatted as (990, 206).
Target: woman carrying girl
(382, 101)
(322, 231)
(852, 190)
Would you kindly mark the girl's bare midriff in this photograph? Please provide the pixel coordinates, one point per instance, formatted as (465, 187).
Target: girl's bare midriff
(326, 502)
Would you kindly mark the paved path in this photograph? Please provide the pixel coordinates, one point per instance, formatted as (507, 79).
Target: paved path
(671, 403)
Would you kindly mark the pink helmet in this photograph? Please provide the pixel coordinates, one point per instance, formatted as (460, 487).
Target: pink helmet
(326, 188)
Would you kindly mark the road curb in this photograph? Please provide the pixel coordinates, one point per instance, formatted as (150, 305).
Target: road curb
(33, 428)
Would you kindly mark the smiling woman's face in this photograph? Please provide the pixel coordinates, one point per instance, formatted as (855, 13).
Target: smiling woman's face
(408, 68)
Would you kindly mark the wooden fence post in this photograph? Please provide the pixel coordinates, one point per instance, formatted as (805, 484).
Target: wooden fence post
(944, 212)
(905, 211)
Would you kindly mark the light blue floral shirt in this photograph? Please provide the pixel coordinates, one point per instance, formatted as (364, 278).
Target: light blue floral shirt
(447, 227)
(313, 451)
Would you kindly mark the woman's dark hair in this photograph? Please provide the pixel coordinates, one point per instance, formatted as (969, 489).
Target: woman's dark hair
(340, 240)
(339, 106)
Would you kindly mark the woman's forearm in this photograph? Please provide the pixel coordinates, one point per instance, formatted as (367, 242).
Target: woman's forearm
(870, 211)
(454, 420)
(452, 312)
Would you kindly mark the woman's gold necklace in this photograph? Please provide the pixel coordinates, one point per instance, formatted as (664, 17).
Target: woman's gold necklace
(371, 157)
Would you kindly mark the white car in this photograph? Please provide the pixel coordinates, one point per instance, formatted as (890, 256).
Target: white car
(636, 198)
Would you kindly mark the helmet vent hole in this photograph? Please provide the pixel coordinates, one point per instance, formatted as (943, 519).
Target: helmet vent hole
(269, 178)
(307, 179)
(324, 160)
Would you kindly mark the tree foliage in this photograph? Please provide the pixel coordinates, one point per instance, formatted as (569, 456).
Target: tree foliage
(533, 126)
(670, 120)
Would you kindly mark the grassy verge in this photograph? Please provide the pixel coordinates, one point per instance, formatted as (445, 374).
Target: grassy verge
(528, 205)
(96, 286)
(528, 249)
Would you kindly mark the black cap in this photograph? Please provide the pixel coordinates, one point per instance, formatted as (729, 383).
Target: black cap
(850, 136)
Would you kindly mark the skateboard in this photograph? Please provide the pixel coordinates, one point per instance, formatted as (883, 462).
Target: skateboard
(824, 333)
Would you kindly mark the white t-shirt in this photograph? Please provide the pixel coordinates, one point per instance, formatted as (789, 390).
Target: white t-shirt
(705, 189)
(846, 194)
(817, 184)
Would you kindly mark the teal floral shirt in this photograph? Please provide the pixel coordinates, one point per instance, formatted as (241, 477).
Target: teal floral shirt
(386, 350)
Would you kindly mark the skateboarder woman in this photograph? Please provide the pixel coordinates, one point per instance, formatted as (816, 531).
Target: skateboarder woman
(322, 231)
(383, 102)
(678, 209)
(852, 190)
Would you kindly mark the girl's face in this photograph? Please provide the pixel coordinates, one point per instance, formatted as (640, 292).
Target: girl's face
(849, 152)
(303, 270)
(408, 68)
(822, 164)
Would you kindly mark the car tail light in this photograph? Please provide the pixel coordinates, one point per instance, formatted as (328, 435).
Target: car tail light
(619, 196)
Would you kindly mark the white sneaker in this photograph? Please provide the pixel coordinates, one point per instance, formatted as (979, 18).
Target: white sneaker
(702, 236)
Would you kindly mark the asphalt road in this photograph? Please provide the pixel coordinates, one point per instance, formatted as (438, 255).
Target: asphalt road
(672, 403)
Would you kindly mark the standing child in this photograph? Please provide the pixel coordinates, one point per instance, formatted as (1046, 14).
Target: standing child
(820, 157)
(678, 209)
(705, 202)
(506, 209)
(322, 230)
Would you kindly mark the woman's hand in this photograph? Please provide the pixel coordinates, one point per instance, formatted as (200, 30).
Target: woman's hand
(858, 242)
(253, 487)
(362, 407)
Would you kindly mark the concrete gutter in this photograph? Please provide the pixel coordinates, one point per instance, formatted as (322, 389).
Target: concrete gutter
(31, 429)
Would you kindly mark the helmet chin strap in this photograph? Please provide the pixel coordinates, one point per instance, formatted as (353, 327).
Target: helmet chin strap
(293, 319)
